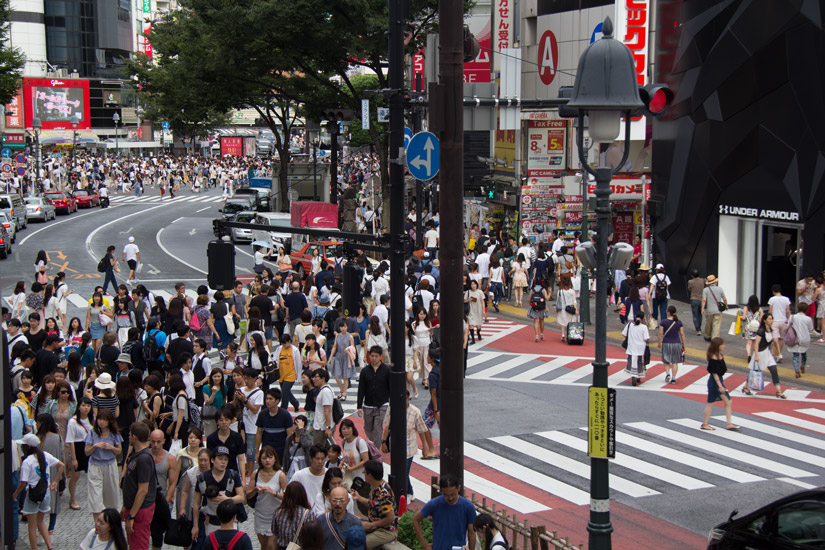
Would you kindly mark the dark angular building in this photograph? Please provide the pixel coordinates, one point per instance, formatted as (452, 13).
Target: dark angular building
(739, 161)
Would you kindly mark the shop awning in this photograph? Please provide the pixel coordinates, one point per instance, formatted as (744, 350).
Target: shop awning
(65, 137)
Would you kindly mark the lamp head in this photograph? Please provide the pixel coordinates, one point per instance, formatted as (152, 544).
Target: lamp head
(116, 118)
(605, 85)
(36, 124)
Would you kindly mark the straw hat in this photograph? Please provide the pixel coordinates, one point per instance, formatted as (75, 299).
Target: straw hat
(712, 279)
(644, 267)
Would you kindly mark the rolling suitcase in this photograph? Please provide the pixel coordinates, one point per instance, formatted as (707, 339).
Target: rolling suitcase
(575, 333)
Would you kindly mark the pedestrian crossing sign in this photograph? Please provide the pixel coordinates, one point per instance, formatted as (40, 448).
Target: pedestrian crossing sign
(601, 422)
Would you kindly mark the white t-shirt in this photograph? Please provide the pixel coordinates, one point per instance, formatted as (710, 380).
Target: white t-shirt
(526, 251)
(325, 397)
(30, 469)
(383, 315)
(250, 418)
(351, 453)
(77, 430)
(655, 279)
(86, 544)
(432, 238)
(380, 286)
(131, 251)
(483, 261)
(779, 305)
(312, 483)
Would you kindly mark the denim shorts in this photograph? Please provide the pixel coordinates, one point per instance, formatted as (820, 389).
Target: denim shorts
(31, 507)
(268, 332)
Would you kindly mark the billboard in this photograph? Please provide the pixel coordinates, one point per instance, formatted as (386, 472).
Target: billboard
(231, 145)
(56, 102)
(479, 69)
(14, 111)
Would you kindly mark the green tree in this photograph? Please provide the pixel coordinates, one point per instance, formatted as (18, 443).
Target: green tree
(11, 59)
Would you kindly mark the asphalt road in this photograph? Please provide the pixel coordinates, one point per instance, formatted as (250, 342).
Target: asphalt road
(525, 402)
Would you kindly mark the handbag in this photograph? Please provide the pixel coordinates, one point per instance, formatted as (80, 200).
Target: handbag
(647, 355)
(209, 412)
(293, 544)
(230, 322)
(104, 319)
(756, 379)
(571, 309)
(738, 325)
(719, 304)
(179, 532)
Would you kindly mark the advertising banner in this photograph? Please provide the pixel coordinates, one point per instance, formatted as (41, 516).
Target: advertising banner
(14, 111)
(56, 102)
(633, 29)
(539, 206)
(479, 69)
(546, 145)
(623, 223)
(232, 146)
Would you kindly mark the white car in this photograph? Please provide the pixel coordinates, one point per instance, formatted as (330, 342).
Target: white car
(38, 208)
(9, 225)
(275, 238)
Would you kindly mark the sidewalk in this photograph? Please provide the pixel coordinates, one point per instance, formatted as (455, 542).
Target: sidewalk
(695, 349)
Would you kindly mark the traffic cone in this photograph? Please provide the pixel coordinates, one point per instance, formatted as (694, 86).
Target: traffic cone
(402, 505)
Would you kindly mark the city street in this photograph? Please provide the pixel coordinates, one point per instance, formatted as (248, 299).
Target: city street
(525, 402)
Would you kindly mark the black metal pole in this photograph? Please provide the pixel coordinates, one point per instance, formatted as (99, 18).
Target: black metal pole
(451, 200)
(398, 382)
(419, 207)
(584, 284)
(333, 169)
(314, 172)
(37, 160)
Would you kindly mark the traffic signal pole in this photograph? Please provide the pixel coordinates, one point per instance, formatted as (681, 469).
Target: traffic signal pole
(450, 92)
(398, 380)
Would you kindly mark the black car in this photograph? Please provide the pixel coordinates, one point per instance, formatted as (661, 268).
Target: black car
(796, 522)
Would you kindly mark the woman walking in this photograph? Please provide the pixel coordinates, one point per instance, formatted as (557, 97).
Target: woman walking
(107, 534)
(103, 447)
(751, 320)
(422, 330)
(497, 277)
(78, 428)
(343, 360)
(716, 384)
(19, 309)
(637, 335)
(35, 462)
(51, 443)
(519, 273)
(268, 483)
(475, 298)
(95, 318)
(538, 313)
(672, 343)
(764, 358)
(291, 514)
(566, 306)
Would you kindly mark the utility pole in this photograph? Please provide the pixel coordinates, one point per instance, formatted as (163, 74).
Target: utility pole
(449, 96)
(398, 380)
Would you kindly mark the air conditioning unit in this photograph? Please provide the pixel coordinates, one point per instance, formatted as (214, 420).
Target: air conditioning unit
(62, 73)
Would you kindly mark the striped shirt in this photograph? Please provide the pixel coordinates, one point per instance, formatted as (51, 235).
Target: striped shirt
(103, 402)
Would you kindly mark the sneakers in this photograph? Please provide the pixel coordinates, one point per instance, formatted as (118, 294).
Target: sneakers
(667, 378)
(698, 333)
(778, 358)
(673, 381)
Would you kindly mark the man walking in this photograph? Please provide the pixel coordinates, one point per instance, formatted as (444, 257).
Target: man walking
(779, 307)
(374, 394)
(109, 263)
(696, 286)
(131, 255)
(712, 297)
(337, 522)
(452, 515)
(166, 470)
(296, 303)
(139, 488)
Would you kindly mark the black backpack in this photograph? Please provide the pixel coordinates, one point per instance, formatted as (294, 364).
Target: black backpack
(38, 492)
(537, 301)
(418, 302)
(661, 288)
(151, 350)
(368, 286)
(101, 265)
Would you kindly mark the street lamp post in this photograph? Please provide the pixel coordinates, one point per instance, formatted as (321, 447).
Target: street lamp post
(116, 120)
(606, 91)
(37, 125)
(75, 124)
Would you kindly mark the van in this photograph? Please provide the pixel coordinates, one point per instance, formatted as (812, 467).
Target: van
(15, 208)
(275, 238)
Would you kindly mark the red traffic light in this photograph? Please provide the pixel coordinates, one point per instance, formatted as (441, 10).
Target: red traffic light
(656, 97)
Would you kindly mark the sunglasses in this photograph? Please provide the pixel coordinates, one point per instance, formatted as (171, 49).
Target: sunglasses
(63, 392)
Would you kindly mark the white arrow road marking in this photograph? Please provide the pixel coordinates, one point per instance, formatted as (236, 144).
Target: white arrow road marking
(418, 162)
(125, 232)
(193, 231)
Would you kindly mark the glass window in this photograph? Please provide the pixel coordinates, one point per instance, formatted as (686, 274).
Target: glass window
(802, 523)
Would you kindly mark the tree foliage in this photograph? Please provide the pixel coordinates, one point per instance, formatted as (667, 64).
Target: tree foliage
(11, 59)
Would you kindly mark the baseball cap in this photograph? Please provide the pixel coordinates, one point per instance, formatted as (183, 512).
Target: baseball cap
(29, 439)
(131, 239)
(219, 450)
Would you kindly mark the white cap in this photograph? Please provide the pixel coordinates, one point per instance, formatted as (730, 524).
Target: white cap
(660, 266)
(131, 239)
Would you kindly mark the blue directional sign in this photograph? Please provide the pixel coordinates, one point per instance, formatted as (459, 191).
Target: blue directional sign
(422, 156)
(6, 153)
(164, 125)
(407, 136)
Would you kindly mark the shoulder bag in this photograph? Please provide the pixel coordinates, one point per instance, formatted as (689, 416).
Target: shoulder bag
(719, 304)
(293, 544)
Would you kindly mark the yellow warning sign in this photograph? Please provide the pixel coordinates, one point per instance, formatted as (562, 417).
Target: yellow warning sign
(601, 422)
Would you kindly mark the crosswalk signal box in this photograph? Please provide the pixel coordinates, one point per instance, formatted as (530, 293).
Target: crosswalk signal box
(221, 261)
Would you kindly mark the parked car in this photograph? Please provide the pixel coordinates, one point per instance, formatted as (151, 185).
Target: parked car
(5, 243)
(14, 206)
(242, 235)
(236, 205)
(275, 238)
(9, 225)
(86, 198)
(263, 197)
(793, 522)
(62, 200)
(38, 208)
(302, 258)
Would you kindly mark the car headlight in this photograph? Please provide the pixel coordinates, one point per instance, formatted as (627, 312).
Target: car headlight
(715, 535)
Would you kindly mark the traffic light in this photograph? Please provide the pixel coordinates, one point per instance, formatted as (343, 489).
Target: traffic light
(221, 264)
(656, 97)
(489, 190)
(471, 45)
(336, 115)
(564, 110)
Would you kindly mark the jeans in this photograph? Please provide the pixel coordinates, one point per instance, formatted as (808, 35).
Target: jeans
(498, 292)
(200, 542)
(52, 522)
(409, 482)
(696, 308)
(796, 363)
(659, 308)
(433, 252)
(225, 338)
(287, 397)
(15, 516)
(109, 277)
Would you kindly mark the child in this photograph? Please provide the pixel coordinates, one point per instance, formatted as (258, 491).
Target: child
(334, 459)
(34, 462)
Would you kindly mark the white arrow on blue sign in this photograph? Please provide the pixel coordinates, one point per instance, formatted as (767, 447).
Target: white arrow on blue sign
(408, 134)
(165, 125)
(6, 153)
(422, 156)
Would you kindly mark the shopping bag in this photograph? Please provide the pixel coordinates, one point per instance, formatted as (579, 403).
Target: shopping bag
(738, 324)
(756, 379)
(139, 267)
(732, 329)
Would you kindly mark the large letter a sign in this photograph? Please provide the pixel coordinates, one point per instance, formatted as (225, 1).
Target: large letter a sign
(548, 57)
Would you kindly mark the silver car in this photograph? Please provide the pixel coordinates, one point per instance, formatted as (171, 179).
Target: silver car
(243, 235)
(38, 208)
(9, 225)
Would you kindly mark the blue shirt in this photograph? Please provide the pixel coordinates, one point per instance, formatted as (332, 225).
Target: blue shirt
(449, 522)
(160, 338)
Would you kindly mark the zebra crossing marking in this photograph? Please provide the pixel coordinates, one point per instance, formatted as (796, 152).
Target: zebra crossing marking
(775, 431)
(793, 421)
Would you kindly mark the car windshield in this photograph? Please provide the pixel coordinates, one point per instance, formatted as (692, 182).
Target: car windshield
(54, 195)
(331, 250)
(31, 200)
(245, 218)
(232, 207)
(81, 193)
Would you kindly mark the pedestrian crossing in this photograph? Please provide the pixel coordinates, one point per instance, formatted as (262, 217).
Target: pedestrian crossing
(531, 473)
(156, 199)
(571, 370)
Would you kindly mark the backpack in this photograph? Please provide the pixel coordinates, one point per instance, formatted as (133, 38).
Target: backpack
(38, 492)
(151, 350)
(790, 336)
(661, 288)
(101, 265)
(194, 414)
(418, 301)
(319, 315)
(374, 452)
(537, 301)
(337, 410)
(338, 270)
(213, 540)
(195, 322)
(367, 286)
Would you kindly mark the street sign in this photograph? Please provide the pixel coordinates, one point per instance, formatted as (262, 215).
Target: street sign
(164, 125)
(384, 116)
(365, 114)
(5, 153)
(6, 168)
(422, 156)
(21, 171)
(601, 422)
(407, 136)
(20, 158)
